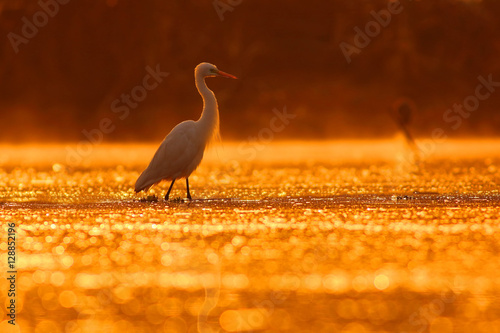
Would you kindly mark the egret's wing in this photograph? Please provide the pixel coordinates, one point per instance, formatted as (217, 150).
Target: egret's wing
(175, 152)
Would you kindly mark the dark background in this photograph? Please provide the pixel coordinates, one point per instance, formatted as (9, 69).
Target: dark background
(285, 53)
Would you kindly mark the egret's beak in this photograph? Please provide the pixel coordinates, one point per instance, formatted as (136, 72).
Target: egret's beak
(221, 73)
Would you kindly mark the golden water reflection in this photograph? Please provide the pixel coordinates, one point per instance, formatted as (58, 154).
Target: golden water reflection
(305, 237)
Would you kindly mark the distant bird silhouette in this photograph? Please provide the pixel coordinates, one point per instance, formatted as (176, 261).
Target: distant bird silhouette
(402, 113)
(182, 150)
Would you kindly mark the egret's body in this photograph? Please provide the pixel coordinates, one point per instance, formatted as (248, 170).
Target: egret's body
(182, 150)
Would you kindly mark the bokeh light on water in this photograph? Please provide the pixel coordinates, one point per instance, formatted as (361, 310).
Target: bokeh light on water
(306, 237)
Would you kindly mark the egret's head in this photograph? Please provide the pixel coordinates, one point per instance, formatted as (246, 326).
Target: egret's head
(208, 70)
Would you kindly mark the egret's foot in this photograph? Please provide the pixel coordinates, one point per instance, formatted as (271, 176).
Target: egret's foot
(189, 197)
(149, 198)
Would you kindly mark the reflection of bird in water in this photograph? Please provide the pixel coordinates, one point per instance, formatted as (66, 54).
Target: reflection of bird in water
(181, 151)
(212, 294)
(402, 112)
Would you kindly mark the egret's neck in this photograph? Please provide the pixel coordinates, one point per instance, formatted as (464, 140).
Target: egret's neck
(209, 120)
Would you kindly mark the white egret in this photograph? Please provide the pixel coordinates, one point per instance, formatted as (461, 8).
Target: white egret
(182, 150)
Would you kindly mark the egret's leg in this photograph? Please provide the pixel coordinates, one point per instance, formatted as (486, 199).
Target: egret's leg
(187, 186)
(169, 189)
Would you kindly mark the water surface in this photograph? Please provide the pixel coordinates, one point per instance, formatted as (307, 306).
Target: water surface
(338, 236)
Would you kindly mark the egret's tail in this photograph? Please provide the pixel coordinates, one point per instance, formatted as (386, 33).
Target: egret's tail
(143, 182)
